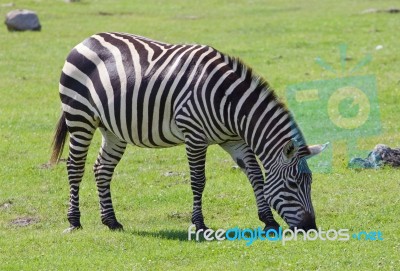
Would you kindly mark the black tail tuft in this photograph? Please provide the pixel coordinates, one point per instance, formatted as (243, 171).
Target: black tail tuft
(59, 140)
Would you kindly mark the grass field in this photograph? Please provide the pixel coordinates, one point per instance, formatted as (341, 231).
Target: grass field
(151, 191)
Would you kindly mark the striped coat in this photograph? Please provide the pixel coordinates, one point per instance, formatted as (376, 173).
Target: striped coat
(151, 94)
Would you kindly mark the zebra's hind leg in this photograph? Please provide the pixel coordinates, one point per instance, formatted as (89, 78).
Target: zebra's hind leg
(111, 151)
(196, 154)
(246, 160)
(80, 139)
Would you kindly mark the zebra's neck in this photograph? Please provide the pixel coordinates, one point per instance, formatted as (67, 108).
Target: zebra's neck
(258, 116)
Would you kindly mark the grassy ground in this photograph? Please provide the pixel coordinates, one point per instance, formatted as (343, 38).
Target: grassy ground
(151, 192)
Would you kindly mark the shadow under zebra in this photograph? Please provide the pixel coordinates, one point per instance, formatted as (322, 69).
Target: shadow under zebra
(163, 234)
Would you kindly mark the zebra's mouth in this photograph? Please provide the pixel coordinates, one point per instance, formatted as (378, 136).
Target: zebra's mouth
(307, 223)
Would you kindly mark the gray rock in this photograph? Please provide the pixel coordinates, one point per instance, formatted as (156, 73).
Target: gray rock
(21, 20)
(381, 155)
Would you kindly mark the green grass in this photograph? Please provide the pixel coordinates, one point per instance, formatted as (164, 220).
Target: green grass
(280, 41)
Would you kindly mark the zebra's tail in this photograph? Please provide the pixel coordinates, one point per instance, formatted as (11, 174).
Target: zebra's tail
(59, 140)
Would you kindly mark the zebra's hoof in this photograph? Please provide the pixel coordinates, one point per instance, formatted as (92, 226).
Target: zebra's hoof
(72, 229)
(116, 226)
(202, 227)
(272, 227)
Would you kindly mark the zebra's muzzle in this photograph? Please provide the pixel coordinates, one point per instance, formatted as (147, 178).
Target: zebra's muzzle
(307, 223)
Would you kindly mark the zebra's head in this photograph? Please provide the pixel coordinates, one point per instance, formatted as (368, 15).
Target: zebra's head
(288, 186)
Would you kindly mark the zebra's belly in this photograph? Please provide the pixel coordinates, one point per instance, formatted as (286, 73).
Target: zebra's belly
(168, 136)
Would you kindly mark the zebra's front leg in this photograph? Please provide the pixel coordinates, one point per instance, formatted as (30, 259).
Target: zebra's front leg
(246, 160)
(197, 157)
(110, 154)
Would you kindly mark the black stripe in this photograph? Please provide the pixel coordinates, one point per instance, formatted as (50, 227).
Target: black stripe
(110, 63)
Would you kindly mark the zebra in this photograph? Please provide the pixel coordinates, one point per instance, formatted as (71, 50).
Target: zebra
(151, 94)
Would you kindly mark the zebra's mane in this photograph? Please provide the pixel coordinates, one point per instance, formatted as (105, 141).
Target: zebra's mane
(262, 84)
(264, 89)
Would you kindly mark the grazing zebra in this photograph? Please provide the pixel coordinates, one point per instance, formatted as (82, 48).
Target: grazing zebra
(155, 95)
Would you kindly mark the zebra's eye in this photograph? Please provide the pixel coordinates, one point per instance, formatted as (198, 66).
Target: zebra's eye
(292, 184)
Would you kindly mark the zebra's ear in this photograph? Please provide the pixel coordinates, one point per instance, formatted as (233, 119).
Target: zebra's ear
(290, 149)
(316, 149)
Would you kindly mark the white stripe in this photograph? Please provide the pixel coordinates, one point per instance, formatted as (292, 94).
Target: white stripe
(115, 51)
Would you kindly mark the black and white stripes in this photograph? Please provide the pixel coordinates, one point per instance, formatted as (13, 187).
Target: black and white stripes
(151, 94)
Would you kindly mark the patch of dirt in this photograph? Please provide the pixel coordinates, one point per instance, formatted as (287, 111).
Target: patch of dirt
(375, 10)
(178, 181)
(180, 216)
(24, 221)
(49, 166)
(45, 166)
(105, 13)
(185, 181)
(174, 174)
(5, 205)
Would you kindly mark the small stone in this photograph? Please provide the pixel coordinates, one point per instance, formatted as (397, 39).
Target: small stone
(21, 20)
